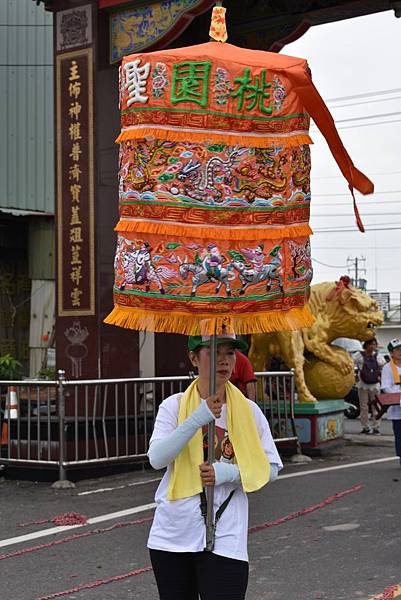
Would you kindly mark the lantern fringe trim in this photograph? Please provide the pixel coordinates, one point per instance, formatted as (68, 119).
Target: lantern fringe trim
(207, 324)
(214, 232)
(214, 137)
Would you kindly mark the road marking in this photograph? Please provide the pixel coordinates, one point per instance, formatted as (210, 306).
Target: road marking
(338, 467)
(119, 487)
(54, 530)
(145, 507)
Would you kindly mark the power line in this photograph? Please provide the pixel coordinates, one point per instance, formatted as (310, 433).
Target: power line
(347, 193)
(318, 204)
(349, 119)
(366, 102)
(341, 176)
(380, 224)
(364, 95)
(370, 124)
(331, 266)
(380, 248)
(355, 230)
(365, 215)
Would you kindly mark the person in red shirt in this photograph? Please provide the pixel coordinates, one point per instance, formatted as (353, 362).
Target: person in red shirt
(243, 376)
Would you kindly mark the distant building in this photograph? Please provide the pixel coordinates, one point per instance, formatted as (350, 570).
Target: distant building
(26, 183)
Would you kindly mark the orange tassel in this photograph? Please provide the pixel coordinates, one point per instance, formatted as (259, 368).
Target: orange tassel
(210, 232)
(213, 137)
(207, 324)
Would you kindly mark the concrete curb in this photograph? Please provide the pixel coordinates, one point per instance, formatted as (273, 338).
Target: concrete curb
(370, 440)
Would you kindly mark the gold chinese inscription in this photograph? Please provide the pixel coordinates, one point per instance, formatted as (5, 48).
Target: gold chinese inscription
(74, 175)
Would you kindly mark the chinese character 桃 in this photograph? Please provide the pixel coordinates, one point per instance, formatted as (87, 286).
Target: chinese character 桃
(253, 92)
(135, 81)
(191, 82)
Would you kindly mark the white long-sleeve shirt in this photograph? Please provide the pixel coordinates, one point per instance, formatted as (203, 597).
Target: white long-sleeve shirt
(389, 387)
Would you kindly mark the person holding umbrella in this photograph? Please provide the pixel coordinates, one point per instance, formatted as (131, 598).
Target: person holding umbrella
(246, 459)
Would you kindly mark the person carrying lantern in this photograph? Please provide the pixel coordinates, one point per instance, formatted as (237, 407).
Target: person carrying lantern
(246, 459)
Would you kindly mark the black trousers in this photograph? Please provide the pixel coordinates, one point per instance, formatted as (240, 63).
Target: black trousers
(190, 575)
(397, 435)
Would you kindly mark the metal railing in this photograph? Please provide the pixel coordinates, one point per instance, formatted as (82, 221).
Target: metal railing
(67, 424)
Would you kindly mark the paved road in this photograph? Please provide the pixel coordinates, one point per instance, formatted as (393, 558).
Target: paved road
(346, 548)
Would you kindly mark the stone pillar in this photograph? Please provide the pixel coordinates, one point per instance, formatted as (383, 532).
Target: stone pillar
(87, 123)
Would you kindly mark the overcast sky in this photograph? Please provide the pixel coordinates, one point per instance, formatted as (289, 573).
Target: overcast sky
(356, 68)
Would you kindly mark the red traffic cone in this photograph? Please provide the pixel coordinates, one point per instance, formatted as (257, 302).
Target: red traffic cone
(4, 433)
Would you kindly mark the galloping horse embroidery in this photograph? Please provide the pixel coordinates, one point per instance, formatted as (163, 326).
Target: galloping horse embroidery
(201, 276)
(249, 275)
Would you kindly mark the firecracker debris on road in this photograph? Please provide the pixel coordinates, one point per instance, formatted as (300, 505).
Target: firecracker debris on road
(326, 530)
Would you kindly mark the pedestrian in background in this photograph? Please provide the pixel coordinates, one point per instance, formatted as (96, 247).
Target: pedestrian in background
(244, 376)
(391, 384)
(246, 459)
(369, 364)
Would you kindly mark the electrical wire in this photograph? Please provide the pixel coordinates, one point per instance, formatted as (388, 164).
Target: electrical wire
(318, 204)
(355, 230)
(369, 124)
(347, 193)
(367, 102)
(331, 266)
(364, 215)
(341, 176)
(364, 95)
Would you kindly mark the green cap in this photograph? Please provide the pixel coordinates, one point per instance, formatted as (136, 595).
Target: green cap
(396, 343)
(202, 341)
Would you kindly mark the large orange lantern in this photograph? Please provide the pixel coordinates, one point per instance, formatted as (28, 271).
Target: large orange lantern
(214, 190)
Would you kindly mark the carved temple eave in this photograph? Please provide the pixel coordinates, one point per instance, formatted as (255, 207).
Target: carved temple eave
(258, 24)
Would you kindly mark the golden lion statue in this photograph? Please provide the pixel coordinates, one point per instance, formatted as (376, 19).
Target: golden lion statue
(322, 371)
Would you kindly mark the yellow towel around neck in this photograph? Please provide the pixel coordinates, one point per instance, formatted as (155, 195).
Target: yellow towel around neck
(252, 461)
(394, 370)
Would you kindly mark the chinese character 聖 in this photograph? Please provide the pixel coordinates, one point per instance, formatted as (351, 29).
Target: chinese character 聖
(253, 91)
(191, 82)
(135, 81)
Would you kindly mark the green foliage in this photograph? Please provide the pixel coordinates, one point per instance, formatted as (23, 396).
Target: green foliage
(47, 373)
(10, 368)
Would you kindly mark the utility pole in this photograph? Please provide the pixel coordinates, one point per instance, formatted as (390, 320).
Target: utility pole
(356, 268)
